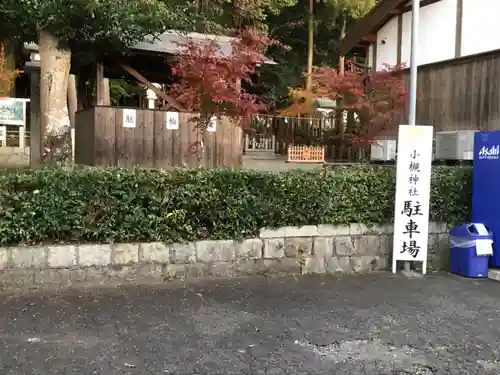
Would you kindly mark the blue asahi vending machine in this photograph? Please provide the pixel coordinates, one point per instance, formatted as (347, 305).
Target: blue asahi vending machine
(486, 186)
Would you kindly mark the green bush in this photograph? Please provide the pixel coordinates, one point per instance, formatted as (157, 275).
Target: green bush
(119, 205)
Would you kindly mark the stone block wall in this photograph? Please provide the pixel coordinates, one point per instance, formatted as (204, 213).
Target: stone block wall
(322, 249)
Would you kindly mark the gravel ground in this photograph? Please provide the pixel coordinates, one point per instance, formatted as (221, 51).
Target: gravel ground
(377, 324)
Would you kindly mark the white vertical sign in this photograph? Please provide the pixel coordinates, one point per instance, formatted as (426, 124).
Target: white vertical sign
(129, 118)
(212, 124)
(172, 120)
(413, 185)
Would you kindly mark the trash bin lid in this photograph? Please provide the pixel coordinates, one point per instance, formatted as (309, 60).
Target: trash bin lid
(471, 230)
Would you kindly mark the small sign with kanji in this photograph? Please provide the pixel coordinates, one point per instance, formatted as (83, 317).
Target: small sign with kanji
(129, 118)
(413, 184)
(172, 120)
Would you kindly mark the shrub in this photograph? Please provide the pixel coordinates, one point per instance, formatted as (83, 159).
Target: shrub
(120, 205)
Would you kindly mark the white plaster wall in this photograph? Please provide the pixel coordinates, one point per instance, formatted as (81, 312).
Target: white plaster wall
(436, 35)
(387, 53)
(480, 26)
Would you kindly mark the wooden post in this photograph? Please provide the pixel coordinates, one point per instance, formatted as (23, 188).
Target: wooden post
(33, 67)
(100, 91)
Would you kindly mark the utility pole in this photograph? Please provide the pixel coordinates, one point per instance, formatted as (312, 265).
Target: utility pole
(412, 115)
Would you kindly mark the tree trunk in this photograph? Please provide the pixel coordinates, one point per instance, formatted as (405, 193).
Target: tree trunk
(342, 36)
(310, 44)
(340, 111)
(55, 129)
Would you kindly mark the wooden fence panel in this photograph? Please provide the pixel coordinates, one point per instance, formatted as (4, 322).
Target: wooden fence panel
(84, 137)
(102, 139)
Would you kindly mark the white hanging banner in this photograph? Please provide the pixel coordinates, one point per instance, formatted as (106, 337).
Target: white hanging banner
(212, 124)
(129, 118)
(413, 185)
(172, 120)
(3, 134)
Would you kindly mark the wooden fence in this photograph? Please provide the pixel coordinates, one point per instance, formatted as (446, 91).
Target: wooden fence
(283, 131)
(101, 139)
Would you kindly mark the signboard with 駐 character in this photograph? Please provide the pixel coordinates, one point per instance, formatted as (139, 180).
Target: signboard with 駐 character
(413, 184)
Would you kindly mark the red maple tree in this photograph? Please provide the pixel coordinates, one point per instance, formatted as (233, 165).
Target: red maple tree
(378, 100)
(211, 81)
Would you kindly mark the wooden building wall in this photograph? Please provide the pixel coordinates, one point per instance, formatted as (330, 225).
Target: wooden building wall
(102, 140)
(460, 94)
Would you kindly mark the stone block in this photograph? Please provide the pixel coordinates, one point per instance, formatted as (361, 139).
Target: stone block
(274, 248)
(327, 230)
(62, 256)
(125, 253)
(273, 233)
(96, 275)
(439, 251)
(367, 263)
(121, 273)
(176, 271)
(195, 271)
(368, 244)
(215, 251)
(356, 229)
(298, 247)
(344, 245)
(323, 247)
(381, 229)
(55, 277)
(222, 269)
(314, 265)
(278, 266)
(29, 257)
(304, 231)
(435, 227)
(147, 273)
(183, 253)
(249, 249)
(155, 252)
(337, 266)
(18, 278)
(246, 267)
(94, 255)
(77, 275)
(4, 258)
(386, 242)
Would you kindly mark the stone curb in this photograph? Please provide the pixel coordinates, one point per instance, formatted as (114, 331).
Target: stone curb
(310, 249)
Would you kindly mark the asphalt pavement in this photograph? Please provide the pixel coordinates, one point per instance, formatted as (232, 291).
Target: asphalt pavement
(376, 324)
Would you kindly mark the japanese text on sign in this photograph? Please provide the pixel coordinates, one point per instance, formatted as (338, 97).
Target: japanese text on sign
(411, 219)
(129, 118)
(172, 119)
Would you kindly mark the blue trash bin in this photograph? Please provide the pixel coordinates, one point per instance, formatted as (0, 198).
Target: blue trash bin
(471, 248)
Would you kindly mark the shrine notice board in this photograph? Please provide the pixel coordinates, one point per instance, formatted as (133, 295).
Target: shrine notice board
(413, 184)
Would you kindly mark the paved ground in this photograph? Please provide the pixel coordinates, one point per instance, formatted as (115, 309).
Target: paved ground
(350, 325)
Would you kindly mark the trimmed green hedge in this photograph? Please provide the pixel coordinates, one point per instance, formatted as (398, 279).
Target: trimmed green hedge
(119, 205)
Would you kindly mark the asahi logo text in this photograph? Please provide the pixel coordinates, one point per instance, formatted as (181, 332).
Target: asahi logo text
(492, 152)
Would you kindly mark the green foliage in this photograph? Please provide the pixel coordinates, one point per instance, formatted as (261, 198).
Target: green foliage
(100, 23)
(116, 205)
(352, 8)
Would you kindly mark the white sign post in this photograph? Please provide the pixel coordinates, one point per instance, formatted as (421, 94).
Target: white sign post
(413, 185)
